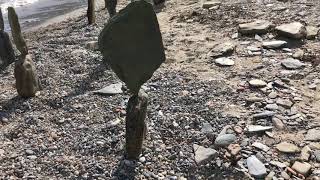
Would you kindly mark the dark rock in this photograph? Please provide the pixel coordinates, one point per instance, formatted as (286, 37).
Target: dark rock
(131, 43)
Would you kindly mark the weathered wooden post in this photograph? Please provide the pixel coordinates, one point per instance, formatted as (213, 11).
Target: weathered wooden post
(27, 82)
(91, 12)
(131, 44)
(6, 51)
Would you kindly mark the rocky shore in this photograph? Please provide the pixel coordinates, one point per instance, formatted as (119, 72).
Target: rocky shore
(238, 98)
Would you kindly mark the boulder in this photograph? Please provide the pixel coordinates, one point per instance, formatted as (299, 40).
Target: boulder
(294, 30)
(131, 43)
(256, 27)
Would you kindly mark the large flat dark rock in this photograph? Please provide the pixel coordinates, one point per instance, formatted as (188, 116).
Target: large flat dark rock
(131, 44)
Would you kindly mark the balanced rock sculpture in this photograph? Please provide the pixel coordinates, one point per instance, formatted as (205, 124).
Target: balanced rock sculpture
(27, 82)
(131, 44)
(6, 51)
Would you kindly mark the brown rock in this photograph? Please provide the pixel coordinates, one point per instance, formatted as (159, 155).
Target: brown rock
(302, 167)
(234, 149)
(27, 83)
(91, 12)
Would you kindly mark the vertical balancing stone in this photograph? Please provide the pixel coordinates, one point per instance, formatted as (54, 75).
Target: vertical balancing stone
(111, 6)
(27, 83)
(135, 124)
(16, 31)
(1, 21)
(91, 12)
(131, 44)
(6, 51)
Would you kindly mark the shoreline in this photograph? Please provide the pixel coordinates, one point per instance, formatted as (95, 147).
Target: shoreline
(74, 14)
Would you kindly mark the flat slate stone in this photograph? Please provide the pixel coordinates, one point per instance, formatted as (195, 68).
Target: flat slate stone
(224, 61)
(110, 90)
(131, 43)
(256, 27)
(258, 128)
(274, 44)
(291, 64)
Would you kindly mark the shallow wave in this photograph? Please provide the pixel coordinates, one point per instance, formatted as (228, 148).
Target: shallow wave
(14, 3)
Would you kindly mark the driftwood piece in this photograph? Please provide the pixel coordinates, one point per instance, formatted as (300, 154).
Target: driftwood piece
(91, 12)
(27, 82)
(16, 31)
(135, 124)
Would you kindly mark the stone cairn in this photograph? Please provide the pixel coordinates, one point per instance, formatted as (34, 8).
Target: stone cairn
(90, 12)
(131, 44)
(6, 51)
(27, 82)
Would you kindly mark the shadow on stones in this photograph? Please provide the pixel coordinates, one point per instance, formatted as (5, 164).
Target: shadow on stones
(292, 43)
(9, 107)
(124, 171)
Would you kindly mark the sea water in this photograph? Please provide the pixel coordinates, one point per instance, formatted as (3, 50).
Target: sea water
(33, 12)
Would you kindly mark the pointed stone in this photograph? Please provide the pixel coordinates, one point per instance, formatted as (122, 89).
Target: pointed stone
(292, 64)
(207, 4)
(110, 90)
(131, 43)
(16, 31)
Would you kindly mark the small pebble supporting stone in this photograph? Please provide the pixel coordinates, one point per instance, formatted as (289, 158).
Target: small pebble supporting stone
(274, 44)
(302, 167)
(256, 167)
(286, 147)
(223, 61)
(257, 83)
(294, 30)
(225, 139)
(292, 64)
(256, 27)
(203, 154)
(135, 125)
